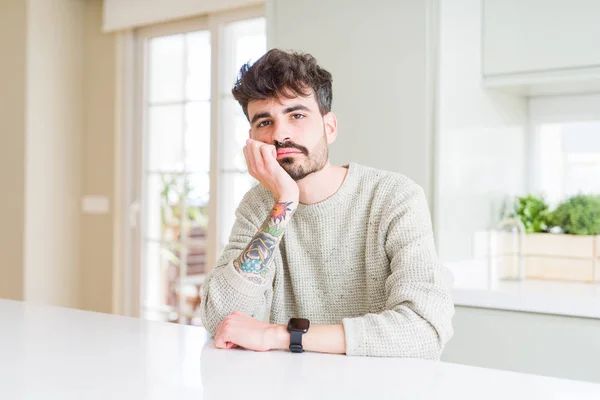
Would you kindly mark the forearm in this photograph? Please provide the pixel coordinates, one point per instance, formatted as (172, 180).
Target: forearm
(319, 338)
(254, 262)
(225, 291)
(400, 332)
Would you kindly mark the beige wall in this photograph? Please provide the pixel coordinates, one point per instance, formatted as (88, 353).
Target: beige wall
(13, 37)
(98, 160)
(53, 151)
(56, 144)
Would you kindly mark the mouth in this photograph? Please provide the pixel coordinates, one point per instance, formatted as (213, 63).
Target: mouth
(287, 153)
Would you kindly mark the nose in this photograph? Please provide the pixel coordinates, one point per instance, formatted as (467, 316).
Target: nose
(280, 143)
(280, 134)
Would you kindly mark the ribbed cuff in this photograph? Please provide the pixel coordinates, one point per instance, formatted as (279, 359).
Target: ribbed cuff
(356, 335)
(241, 284)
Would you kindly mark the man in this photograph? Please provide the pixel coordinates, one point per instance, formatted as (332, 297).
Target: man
(340, 259)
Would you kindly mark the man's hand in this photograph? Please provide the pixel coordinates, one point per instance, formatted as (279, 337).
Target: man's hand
(261, 159)
(241, 330)
(254, 262)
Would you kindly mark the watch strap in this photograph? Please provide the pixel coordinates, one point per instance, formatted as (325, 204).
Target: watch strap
(296, 342)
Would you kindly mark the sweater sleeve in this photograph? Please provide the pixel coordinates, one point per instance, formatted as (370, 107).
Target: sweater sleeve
(224, 289)
(417, 320)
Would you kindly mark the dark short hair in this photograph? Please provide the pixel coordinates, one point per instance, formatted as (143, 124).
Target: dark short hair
(280, 74)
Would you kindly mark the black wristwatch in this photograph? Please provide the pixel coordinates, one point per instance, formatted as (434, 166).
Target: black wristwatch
(297, 327)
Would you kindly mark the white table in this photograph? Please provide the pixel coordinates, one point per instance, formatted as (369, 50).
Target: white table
(54, 353)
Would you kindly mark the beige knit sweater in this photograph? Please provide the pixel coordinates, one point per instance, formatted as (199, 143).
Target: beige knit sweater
(364, 257)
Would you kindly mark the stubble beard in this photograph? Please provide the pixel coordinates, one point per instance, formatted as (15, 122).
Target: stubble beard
(300, 168)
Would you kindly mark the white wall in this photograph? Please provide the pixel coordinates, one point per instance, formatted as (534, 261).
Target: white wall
(379, 55)
(13, 38)
(53, 151)
(123, 14)
(480, 144)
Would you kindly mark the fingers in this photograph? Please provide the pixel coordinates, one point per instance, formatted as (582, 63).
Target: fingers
(260, 157)
(219, 342)
(255, 153)
(223, 339)
(250, 161)
(269, 160)
(220, 334)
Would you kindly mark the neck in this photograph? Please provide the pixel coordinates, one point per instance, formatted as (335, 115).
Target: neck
(321, 185)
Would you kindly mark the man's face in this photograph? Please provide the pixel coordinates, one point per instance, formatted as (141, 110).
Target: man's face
(296, 128)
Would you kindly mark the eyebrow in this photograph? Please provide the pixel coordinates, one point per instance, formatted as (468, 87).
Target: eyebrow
(285, 111)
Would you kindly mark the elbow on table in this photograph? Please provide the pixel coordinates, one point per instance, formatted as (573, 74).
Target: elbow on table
(433, 351)
(433, 335)
(441, 338)
(209, 323)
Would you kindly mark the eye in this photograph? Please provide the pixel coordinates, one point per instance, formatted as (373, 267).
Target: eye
(263, 124)
(297, 116)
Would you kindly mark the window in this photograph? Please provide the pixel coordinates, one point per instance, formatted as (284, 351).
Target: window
(566, 146)
(191, 168)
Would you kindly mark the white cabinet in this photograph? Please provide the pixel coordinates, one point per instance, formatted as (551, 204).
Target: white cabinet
(542, 344)
(555, 37)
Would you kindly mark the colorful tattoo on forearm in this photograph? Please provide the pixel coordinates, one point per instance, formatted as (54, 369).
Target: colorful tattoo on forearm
(254, 262)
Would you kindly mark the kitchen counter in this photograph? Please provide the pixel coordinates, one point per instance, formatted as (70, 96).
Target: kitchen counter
(472, 289)
(55, 353)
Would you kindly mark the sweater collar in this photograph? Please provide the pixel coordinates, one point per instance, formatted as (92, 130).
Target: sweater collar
(347, 187)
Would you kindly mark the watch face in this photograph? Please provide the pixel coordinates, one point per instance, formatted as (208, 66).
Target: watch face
(299, 324)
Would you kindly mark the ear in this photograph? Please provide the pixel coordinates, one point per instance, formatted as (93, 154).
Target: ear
(330, 122)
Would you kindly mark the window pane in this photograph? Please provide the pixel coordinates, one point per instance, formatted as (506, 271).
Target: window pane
(165, 141)
(233, 188)
(152, 291)
(163, 206)
(168, 197)
(198, 64)
(166, 68)
(198, 190)
(160, 261)
(197, 136)
(250, 48)
(582, 157)
(235, 128)
(569, 157)
(244, 41)
(153, 223)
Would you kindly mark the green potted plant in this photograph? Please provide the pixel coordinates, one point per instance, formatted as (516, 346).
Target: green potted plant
(572, 253)
(560, 244)
(533, 211)
(579, 215)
